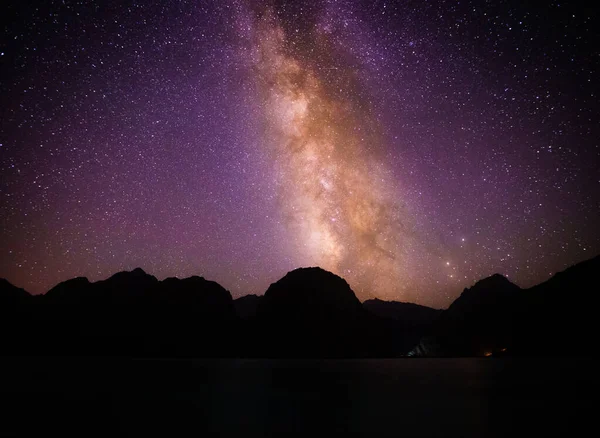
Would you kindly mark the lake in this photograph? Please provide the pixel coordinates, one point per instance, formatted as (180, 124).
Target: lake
(389, 397)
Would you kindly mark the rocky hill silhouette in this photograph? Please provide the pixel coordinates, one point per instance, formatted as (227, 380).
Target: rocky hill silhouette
(11, 295)
(308, 313)
(247, 306)
(311, 312)
(497, 318)
(130, 314)
(558, 317)
(16, 306)
(480, 320)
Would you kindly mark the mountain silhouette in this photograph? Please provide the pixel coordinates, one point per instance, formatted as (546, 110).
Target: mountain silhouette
(15, 311)
(496, 317)
(409, 313)
(131, 313)
(405, 323)
(309, 312)
(69, 290)
(11, 295)
(558, 316)
(247, 306)
(480, 320)
(188, 317)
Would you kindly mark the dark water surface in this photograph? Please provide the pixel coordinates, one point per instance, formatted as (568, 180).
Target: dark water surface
(392, 397)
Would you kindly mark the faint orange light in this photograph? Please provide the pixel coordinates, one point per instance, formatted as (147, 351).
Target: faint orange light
(487, 353)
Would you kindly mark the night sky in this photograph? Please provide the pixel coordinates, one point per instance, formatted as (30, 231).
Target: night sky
(412, 147)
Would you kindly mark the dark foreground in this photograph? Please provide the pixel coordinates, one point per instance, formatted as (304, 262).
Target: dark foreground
(395, 397)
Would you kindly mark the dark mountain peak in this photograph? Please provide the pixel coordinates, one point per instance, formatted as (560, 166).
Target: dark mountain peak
(250, 297)
(311, 312)
(495, 314)
(194, 285)
(378, 301)
(582, 272)
(490, 288)
(9, 290)
(77, 281)
(496, 281)
(313, 279)
(310, 292)
(314, 286)
(194, 295)
(177, 280)
(247, 306)
(127, 279)
(481, 310)
(68, 287)
(310, 270)
(194, 279)
(122, 289)
(136, 273)
(398, 310)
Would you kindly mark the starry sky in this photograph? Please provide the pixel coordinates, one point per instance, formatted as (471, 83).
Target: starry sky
(412, 147)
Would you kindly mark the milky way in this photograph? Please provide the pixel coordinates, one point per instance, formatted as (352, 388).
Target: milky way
(410, 147)
(334, 191)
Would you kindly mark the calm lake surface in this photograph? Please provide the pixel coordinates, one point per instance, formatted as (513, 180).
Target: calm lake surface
(391, 397)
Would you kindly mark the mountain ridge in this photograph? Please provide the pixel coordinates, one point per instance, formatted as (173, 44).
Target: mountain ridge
(309, 312)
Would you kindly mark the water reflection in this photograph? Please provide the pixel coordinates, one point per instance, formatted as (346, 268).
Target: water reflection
(406, 397)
